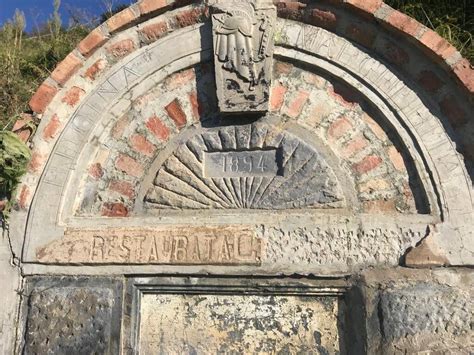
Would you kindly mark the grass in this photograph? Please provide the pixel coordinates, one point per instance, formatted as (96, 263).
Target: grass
(451, 19)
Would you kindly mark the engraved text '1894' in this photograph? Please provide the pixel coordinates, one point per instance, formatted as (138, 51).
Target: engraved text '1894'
(240, 164)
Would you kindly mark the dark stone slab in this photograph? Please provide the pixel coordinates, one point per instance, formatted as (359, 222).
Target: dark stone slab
(73, 316)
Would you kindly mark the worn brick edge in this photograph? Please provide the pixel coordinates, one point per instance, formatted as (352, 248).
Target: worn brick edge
(392, 19)
(439, 49)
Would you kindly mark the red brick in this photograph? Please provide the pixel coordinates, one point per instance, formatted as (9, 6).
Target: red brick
(437, 44)
(322, 18)
(179, 79)
(51, 128)
(89, 45)
(24, 134)
(147, 6)
(277, 97)
(429, 81)
(378, 206)
(24, 197)
(95, 69)
(123, 187)
(129, 165)
(195, 106)
(36, 162)
(66, 69)
(363, 35)
(154, 31)
(354, 146)
(42, 97)
(369, 6)
(23, 122)
(465, 73)
(190, 17)
(296, 106)
(455, 114)
(121, 19)
(396, 158)
(119, 127)
(367, 164)
(176, 113)
(73, 96)
(339, 127)
(290, 9)
(395, 54)
(403, 23)
(23, 127)
(121, 48)
(114, 209)
(96, 171)
(282, 69)
(158, 129)
(142, 145)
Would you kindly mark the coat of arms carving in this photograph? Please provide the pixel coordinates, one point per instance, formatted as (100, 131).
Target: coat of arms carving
(243, 47)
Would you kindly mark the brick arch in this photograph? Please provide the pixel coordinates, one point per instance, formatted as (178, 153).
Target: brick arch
(132, 33)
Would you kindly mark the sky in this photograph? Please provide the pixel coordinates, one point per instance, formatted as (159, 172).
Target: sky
(38, 11)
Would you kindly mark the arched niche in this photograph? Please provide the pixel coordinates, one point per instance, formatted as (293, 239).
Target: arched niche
(385, 159)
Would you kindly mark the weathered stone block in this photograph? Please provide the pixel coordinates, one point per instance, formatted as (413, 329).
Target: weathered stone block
(72, 316)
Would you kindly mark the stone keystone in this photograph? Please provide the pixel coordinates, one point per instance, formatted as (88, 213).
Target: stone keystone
(243, 53)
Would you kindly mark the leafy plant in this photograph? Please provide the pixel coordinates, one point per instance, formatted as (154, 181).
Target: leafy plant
(14, 157)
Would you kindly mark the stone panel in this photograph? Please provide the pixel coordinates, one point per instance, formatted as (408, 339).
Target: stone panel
(419, 311)
(234, 316)
(221, 324)
(75, 316)
(225, 245)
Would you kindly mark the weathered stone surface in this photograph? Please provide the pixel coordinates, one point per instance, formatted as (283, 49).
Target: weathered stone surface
(299, 175)
(74, 316)
(243, 45)
(238, 324)
(11, 281)
(428, 317)
(234, 315)
(337, 246)
(224, 245)
(418, 311)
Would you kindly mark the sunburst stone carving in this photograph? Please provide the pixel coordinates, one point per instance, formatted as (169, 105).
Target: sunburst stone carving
(260, 170)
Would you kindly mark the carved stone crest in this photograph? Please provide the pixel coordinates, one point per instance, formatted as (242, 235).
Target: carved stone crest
(243, 46)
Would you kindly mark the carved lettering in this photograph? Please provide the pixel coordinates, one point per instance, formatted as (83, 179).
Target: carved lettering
(241, 163)
(181, 245)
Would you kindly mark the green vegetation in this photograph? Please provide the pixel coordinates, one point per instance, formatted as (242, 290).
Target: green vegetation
(14, 157)
(451, 19)
(25, 61)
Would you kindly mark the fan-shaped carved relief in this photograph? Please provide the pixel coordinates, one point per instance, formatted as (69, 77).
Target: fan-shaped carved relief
(244, 167)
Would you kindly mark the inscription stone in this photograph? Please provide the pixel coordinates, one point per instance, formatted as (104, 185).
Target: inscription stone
(240, 164)
(225, 245)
